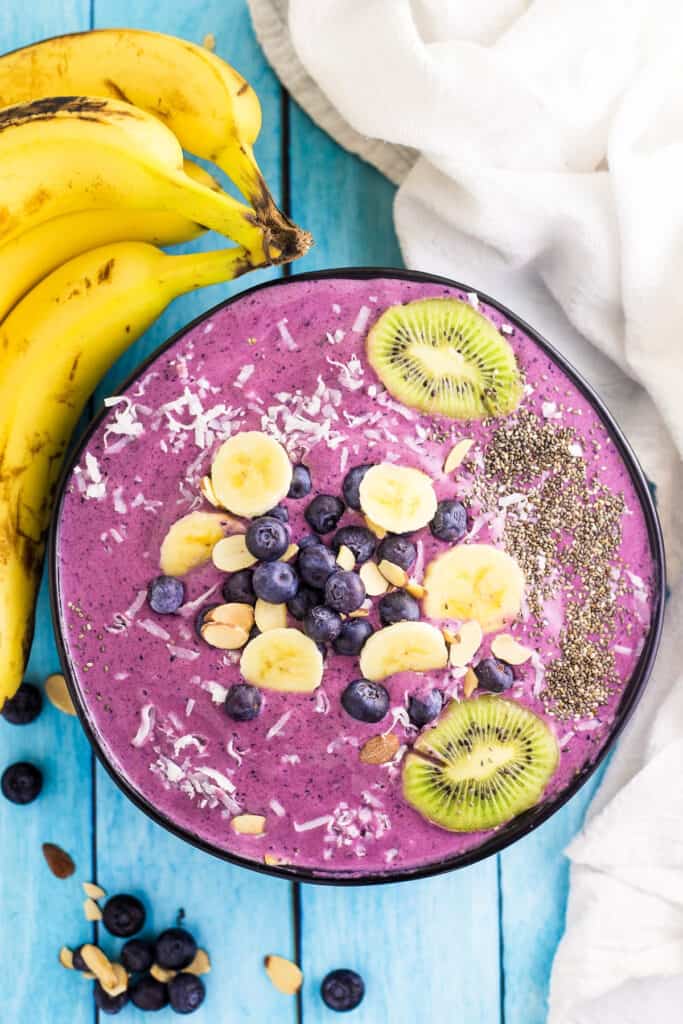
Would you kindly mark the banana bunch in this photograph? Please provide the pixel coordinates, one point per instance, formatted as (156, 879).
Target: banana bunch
(92, 180)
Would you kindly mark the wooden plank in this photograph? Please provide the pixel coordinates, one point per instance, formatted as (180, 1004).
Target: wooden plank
(534, 884)
(238, 916)
(428, 950)
(39, 912)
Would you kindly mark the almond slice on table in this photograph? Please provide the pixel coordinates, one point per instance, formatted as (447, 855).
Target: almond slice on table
(99, 965)
(162, 974)
(201, 963)
(58, 860)
(457, 454)
(470, 683)
(66, 958)
(120, 983)
(269, 616)
(505, 647)
(465, 643)
(91, 910)
(232, 614)
(380, 749)
(58, 694)
(232, 554)
(397, 576)
(249, 824)
(375, 584)
(95, 892)
(287, 977)
(346, 558)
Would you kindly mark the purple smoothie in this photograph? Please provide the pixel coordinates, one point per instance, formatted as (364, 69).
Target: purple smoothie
(290, 361)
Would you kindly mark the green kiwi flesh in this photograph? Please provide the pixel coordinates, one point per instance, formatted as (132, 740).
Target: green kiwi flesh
(487, 760)
(442, 356)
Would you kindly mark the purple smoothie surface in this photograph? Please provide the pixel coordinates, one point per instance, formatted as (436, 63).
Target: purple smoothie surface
(290, 360)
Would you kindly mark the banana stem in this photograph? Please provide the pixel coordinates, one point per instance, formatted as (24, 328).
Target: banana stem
(200, 269)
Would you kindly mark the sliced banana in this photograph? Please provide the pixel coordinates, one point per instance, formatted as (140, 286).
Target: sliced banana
(282, 659)
(270, 616)
(465, 644)
(190, 541)
(403, 647)
(397, 498)
(232, 554)
(251, 473)
(375, 528)
(474, 581)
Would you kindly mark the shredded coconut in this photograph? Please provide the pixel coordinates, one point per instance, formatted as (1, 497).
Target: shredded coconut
(279, 725)
(277, 808)
(306, 826)
(147, 719)
(153, 628)
(361, 321)
(287, 339)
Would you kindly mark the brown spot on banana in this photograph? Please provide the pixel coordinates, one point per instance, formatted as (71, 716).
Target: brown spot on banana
(74, 366)
(36, 200)
(88, 108)
(117, 90)
(105, 271)
(243, 88)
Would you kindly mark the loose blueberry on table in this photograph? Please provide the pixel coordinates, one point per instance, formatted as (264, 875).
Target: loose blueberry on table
(342, 989)
(123, 915)
(21, 782)
(186, 993)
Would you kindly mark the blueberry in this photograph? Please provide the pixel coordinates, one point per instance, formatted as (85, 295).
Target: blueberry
(279, 512)
(424, 708)
(149, 994)
(136, 955)
(267, 538)
(239, 587)
(123, 915)
(358, 539)
(165, 594)
(324, 512)
(186, 993)
(315, 563)
(352, 483)
(302, 602)
(398, 606)
(110, 1005)
(307, 539)
(243, 702)
(24, 707)
(21, 782)
(399, 550)
(365, 701)
(344, 591)
(322, 624)
(275, 582)
(301, 482)
(494, 675)
(450, 520)
(78, 961)
(353, 634)
(342, 990)
(175, 948)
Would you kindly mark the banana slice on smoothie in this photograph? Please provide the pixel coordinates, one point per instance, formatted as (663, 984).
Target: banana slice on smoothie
(190, 541)
(403, 647)
(251, 473)
(282, 659)
(398, 498)
(474, 581)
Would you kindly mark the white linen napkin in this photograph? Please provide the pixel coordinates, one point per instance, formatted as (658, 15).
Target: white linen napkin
(538, 146)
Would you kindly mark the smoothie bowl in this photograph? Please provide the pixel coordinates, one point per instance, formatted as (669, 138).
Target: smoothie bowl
(355, 580)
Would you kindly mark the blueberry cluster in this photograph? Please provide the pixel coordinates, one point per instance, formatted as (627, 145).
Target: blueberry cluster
(22, 782)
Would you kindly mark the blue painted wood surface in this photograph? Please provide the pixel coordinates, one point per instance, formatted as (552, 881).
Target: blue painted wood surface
(474, 947)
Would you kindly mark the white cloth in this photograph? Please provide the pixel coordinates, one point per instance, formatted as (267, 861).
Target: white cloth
(538, 146)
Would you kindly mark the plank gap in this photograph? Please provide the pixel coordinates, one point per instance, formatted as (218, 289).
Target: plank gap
(285, 176)
(296, 927)
(501, 937)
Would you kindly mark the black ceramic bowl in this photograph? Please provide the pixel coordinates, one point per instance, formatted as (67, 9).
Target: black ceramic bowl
(524, 823)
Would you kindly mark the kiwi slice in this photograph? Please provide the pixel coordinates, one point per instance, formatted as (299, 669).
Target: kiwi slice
(486, 761)
(442, 356)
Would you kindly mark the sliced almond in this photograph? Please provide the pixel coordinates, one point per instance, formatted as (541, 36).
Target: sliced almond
(201, 963)
(95, 892)
(394, 573)
(375, 584)
(415, 589)
(289, 554)
(91, 910)
(465, 644)
(457, 454)
(375, 528)
(225, 638)
(58, 860)
(510, 650)
(87, 975)
(232, 614)
(470, 683)
(162, 974)
(360, 613)
(99, 965)
(273, 860)
(58, 694)
(66, 958)
(249, 824)
(380, 749)
(270, 616)
(286, 976)
(231, 554)
(207, 492)
(346, 558)
(121, 981)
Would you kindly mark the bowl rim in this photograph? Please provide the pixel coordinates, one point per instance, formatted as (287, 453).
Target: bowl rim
(523, 824)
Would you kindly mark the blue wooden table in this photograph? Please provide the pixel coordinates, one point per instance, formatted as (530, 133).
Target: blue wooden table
(474, 947)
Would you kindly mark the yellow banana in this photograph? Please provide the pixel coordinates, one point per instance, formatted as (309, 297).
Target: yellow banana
(209, 106)
(55, 345)
(69, 154)
(29, 257)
